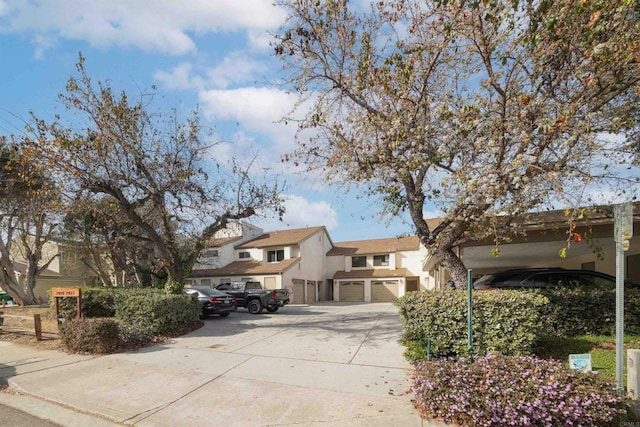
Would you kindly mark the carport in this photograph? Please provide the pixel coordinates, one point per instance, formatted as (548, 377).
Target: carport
(546, 235)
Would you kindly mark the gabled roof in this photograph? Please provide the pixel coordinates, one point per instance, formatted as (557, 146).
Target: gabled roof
(372, 273)
(376, 246)
(238, 268)
(220, 241)
(281, 238)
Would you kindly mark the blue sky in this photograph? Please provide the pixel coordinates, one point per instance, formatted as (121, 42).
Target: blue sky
(210, 54)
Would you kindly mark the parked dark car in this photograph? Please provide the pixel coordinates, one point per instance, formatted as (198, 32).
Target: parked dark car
(535, 278)
(214, 301)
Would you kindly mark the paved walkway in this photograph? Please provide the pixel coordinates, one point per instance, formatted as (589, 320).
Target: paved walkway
(325, 364)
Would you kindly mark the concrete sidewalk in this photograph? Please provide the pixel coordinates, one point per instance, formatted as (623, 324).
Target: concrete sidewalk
(333, 365)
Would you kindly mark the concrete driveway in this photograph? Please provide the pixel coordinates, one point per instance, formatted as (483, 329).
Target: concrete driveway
(325, 364)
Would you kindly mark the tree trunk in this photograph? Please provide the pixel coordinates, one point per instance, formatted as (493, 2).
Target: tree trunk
(454, 266)
(444, 241)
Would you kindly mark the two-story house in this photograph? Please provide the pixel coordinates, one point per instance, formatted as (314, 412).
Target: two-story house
(376, 270)
(286, 259)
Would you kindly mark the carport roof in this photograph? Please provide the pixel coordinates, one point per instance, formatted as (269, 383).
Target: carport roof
(372, 273)
(247, 267)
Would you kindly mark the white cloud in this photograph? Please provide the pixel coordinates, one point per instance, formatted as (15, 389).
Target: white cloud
(301, 212)
(162, 25)
(179, 77)
(4, 8)
(235, 68)
(256, 109)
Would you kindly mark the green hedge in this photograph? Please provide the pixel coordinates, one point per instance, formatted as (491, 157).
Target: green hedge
(580, 311)
(157, 312)
(505, 322)
(96, 301)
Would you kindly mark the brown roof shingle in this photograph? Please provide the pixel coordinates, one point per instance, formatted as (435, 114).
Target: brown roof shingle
(216, 242)
(376, 246)
(247, 267)
(281, 238)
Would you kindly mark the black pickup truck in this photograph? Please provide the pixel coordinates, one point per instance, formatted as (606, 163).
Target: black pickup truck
(254, 298)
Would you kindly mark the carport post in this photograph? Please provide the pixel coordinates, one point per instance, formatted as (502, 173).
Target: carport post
(470, 312)
(623, 231)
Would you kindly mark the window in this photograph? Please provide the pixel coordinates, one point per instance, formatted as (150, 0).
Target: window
(205, 282)
(244, 255)
(381, 260)
(210, 253)
(358, 261)
(275, 256)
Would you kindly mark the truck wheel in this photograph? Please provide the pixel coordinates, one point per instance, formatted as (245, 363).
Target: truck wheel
(272, 309)
(254, 306)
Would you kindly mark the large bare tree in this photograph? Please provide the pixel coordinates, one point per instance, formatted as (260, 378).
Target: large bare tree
(153, 168)
(482, 110)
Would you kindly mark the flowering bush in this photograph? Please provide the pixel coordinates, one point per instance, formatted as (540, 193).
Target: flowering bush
(515, 391)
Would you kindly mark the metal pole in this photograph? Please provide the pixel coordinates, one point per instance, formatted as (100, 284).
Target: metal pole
(470, 312)
(619, 315)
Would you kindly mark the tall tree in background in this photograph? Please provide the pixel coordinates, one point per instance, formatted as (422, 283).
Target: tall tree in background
(111, 248)
(482, 110)
(30, 210)
(152, 167)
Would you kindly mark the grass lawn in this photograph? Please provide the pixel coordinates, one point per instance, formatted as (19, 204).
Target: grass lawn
(601, 348)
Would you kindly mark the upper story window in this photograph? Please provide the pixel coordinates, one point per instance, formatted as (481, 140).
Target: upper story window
(381, 260)
(210, 253)
(358, 261)
(244, 255)
(275, 256)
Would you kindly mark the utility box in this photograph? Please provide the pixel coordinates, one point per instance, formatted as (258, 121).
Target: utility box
(633, 378)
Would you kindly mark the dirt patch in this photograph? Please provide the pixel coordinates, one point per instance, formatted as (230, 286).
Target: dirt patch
(21, 329)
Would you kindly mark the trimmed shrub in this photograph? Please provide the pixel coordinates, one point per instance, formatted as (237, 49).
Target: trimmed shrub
(96, 336)
(520, 391)
(587, 311)
(96, 301)
(506, 322)
(157, 313)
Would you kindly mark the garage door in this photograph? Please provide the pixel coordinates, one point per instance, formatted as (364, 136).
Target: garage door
(310, 297)
(352, 291)
(298, 291)
(384, 291)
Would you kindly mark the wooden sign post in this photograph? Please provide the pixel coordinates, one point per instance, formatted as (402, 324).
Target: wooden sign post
(58, 293)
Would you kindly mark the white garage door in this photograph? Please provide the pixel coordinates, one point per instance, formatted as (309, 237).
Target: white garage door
(352, 291)
(384, 291)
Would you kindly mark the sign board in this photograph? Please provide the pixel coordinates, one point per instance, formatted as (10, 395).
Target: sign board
(57, 293)
(623, 221)
(580, 362)
(65, 292)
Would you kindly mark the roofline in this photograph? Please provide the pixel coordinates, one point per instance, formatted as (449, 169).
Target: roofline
(319, 228)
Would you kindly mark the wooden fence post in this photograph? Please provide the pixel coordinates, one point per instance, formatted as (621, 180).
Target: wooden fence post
(37, 325)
